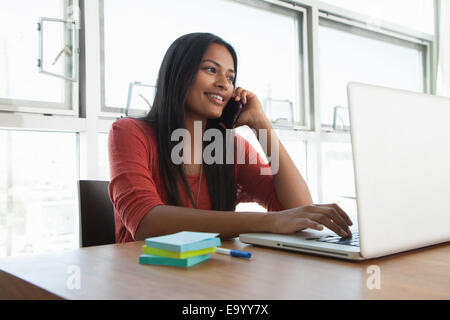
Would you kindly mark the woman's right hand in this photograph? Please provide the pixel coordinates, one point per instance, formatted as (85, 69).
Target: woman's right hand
(313, 216)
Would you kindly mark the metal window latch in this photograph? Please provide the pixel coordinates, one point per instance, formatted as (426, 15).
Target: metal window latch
(67, 50)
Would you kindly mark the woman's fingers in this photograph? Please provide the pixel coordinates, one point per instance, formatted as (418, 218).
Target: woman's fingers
(244, 96)
(334, 215)
(241, 94)
(308, 223)
(298, 224)
(237, 93)
(328, 222)
(340, 211)
(314, 217)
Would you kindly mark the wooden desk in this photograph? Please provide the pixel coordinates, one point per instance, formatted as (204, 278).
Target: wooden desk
(113, 272)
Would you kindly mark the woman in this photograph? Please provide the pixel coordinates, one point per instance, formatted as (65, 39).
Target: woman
(154, 196)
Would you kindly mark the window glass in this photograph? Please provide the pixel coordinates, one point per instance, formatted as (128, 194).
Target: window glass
(38, 192)
(20, 82)
(295, 149)
(350, 54)
(137, 34)
(297, 152)
(249, 207)
(103, 160)
(414, 14)
(338, 184)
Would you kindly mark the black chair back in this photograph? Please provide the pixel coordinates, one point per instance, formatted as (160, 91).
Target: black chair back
(96, 213)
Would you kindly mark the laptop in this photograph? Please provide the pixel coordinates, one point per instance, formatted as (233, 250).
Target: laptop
(401, 159)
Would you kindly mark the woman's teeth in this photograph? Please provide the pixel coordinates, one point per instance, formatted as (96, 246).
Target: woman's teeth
(215, 98)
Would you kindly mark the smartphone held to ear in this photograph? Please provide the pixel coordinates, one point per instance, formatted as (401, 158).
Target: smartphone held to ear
(231, 113)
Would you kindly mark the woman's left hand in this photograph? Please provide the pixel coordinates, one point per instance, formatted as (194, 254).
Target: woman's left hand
(252, 113)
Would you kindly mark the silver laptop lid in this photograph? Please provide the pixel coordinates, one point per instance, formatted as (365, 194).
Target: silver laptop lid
(401, 155)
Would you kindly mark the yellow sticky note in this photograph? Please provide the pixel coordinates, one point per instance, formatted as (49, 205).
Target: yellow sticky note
(176, 255)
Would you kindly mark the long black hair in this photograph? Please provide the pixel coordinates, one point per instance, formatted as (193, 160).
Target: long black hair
(178, 69)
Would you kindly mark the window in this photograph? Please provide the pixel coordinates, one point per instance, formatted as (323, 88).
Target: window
(348, 53)
(38, 192)
(297, 57)
(22, 87)
(138, 33)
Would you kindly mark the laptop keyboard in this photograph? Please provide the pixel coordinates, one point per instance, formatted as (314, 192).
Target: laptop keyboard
(353, 241)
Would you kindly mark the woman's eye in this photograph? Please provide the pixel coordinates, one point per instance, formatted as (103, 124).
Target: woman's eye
(212, 69)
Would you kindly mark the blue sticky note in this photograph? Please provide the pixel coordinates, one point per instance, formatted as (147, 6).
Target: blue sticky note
(165, 261)
(184, 241)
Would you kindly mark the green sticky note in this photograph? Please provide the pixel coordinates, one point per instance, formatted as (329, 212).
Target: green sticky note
(165, 261)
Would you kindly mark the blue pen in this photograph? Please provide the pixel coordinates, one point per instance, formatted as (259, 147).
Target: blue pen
(234, 253)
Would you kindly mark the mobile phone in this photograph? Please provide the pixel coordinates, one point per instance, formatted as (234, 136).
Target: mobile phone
(230, 113)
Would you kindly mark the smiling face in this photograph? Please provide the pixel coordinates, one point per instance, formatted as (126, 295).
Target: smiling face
(212, 87)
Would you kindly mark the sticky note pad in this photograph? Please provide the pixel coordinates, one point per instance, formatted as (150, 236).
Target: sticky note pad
(164, 261)
(176, 255)
(184, 241)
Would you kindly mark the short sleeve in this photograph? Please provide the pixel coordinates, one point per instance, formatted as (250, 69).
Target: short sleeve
(254, 178)
(132, 188)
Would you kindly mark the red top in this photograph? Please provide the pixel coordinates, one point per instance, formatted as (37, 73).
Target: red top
(136, 185)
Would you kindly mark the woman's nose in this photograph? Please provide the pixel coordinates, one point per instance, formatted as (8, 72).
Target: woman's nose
(222, 81)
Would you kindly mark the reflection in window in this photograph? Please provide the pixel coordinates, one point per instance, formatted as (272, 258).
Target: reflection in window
(349, 54)
(280, 112)
(414, 14)
(140, 99)
(38, 192)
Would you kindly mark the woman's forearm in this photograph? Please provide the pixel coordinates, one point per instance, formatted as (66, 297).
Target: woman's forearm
(164, 219)
(291, 189)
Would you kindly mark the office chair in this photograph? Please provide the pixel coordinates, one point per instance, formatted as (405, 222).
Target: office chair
(96, 213)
